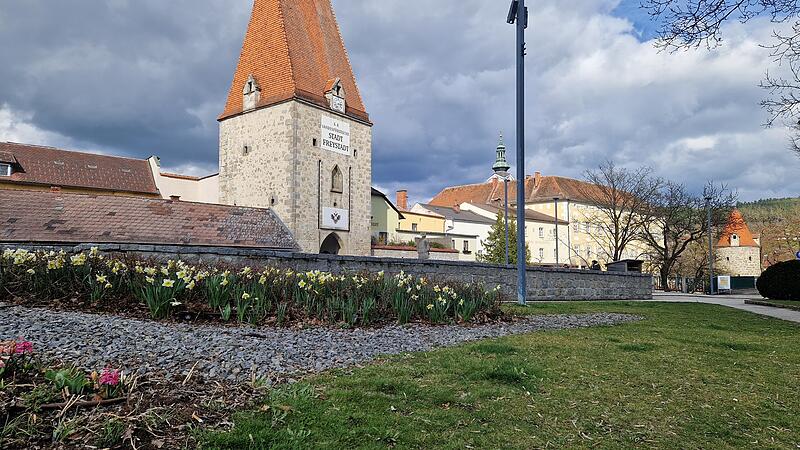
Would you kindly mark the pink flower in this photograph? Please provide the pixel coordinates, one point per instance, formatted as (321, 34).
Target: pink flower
(23, 347)
(109, 377)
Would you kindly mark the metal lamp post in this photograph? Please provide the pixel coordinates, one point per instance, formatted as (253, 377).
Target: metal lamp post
(518, 14)
(710, 248)
(501, 168)
(555, 201)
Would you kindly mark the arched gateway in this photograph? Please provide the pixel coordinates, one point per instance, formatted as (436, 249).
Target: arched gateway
(331, 245)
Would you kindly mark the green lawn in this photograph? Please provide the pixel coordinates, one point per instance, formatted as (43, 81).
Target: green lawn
(689, 376)
(789, 304)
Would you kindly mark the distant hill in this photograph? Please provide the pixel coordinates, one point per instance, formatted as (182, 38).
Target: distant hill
(777, 220)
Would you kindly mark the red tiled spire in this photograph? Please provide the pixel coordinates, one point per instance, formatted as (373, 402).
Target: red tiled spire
(736, 225)
(293, 49)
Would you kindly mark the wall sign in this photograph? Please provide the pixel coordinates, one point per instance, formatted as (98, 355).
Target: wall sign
(724, 283)
(335, 219)
(335, 135)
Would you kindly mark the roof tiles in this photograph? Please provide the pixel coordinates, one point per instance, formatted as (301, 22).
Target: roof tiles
(49, 166)
(46, 217)
(293, 48)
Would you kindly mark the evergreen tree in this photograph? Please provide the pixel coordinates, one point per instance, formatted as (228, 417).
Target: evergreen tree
(494, 247)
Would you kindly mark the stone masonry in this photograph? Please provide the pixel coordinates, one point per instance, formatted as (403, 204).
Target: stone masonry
(271, 158)
(543, 283)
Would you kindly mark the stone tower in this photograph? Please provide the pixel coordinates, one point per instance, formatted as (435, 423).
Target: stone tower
(738, 252)
(295, 135)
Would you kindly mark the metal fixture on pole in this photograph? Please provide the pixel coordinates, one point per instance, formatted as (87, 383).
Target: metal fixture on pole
(710, 248)
(518, 14)
(501, 168)
(555, 200)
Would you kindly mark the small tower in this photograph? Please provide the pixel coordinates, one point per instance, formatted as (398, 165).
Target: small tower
(501, 166)
(738, 253)
(295, 135)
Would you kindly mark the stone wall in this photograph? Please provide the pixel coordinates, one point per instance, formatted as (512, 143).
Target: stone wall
(414, 254)
(284, 168)
(543, 283)
(739, 261)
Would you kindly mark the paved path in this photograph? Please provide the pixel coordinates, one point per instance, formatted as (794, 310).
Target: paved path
(732, 301)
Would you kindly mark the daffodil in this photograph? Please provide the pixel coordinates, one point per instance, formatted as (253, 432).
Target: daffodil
(224, 282)
(108, 286)
(245, 296)
(168, 283)
(430, 307)
(31, 272)
(150, 280)
(191, 285)
(101, 278)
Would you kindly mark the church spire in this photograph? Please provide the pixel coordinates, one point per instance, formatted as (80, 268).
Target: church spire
(293, 49)
(501, 166)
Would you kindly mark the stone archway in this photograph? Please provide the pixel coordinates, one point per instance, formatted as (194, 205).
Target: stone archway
(332, 245)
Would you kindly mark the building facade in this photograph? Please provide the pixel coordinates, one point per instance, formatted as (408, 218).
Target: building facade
(738, 251)
(295, 136)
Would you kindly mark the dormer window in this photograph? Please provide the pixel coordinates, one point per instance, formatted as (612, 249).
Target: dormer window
(251, 93)
(5, 170)
(336, 96)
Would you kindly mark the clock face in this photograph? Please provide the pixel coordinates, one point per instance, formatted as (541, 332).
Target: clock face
(337, 104)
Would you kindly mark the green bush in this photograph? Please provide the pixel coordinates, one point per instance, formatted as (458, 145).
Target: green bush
(781, 281)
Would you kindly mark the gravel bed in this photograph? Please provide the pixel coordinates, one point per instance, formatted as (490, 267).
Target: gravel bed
(231, 353)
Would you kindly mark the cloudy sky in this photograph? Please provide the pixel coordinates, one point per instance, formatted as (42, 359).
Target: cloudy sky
(142, 77)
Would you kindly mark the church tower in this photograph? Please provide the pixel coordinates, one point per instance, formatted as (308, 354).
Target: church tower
(295, 135)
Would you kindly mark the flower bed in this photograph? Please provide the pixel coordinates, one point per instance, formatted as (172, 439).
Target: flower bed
(46, 404)
(246, 295)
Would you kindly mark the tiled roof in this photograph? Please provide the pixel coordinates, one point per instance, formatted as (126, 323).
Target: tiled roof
(459, 214)
(293, 48)
(736, 225)
(57, 217)
(545, 189)
(534, 216)
(55, 167)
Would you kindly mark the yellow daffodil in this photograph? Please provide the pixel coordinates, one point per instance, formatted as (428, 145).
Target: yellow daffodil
(101, 278)
(168, 283)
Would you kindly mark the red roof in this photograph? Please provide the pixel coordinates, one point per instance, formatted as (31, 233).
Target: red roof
(57, 217)
(737, 226)
(293, 48)
(47, 166)
(537, 189)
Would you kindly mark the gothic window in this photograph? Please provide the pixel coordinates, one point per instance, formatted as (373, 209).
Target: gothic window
(337, 180)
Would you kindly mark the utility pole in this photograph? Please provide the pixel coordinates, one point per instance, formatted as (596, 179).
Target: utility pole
(555, 201)
(710, 248)
(519, 14)
(501, 169)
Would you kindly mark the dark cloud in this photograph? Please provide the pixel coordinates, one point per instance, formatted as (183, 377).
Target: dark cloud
(150, 77)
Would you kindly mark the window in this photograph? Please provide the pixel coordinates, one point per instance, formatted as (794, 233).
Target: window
(466, 247)
(246, 150)
(414, 227)
(337, 180)
(541, 254)
(5, 170)
(541, 232)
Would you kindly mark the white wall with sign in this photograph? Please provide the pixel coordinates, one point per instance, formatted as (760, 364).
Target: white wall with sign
(335, 219)
(335, 135)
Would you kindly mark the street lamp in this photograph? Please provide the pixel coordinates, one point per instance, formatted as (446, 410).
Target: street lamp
(710, 248)
(518, 14)
(555, 201)
(501, 168)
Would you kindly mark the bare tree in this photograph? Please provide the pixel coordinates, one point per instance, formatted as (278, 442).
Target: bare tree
(678, 220)
(698, 23)
(621, 199)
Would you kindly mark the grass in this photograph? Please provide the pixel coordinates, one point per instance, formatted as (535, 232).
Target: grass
(788, 304)
(689, 376)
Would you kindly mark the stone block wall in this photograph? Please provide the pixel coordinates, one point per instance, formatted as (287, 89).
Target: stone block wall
(542, 283)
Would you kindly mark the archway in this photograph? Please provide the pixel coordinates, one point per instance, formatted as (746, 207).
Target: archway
(331, 245)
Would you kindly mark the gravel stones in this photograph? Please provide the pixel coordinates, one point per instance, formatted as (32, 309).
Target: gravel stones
(234, 354)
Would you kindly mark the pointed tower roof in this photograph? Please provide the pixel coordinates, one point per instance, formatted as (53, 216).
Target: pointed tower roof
(737, 225)
(293, 49)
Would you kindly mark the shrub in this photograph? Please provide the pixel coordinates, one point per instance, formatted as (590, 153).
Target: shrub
(781, 281)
